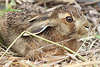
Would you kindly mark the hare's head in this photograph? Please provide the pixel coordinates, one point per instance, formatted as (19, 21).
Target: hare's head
(67, 21)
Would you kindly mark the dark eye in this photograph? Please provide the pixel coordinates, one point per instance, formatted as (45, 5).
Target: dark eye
(86, 26)
(69, 19)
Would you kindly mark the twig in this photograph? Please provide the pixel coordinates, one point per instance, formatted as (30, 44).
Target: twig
(12, 44)
(84, 63)
(90, 3)
(6, 4)
(82, 58)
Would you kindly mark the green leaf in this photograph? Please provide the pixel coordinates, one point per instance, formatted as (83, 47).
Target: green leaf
(7, 10)
(12, 3)
(97, 36)
(16, 10)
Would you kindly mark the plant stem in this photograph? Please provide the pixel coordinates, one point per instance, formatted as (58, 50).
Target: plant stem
(12, 44)
(82, 58)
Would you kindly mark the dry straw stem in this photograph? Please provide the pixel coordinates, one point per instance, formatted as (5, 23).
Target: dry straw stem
(84, 63)
(6, 4)
(12, 44)
(82, 58)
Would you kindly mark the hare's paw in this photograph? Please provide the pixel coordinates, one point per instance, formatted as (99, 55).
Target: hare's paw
(34, 55)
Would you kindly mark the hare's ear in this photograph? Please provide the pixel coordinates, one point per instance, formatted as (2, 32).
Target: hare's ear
(36, 30)
(38, 27)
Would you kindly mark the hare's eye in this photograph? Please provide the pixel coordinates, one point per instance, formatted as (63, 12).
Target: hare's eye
(86, 26)
(69, 19)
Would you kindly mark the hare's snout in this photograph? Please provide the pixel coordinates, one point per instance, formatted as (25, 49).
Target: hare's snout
(83, 29)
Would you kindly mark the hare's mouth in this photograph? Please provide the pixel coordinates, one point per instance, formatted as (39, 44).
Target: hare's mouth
(71, 34)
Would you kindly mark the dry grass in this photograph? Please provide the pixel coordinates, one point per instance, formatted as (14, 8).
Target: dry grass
(90, 49)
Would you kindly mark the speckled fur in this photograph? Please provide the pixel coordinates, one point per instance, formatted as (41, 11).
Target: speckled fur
(17, 22)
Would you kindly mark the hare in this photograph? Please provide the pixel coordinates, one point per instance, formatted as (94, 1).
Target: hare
(64, 25)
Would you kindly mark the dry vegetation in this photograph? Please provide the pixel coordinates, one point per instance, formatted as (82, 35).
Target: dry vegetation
(88, 55)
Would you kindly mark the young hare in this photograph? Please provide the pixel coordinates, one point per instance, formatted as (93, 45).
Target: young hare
(65, 25)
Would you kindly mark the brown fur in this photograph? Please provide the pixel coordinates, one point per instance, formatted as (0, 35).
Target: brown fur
(31, 47)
